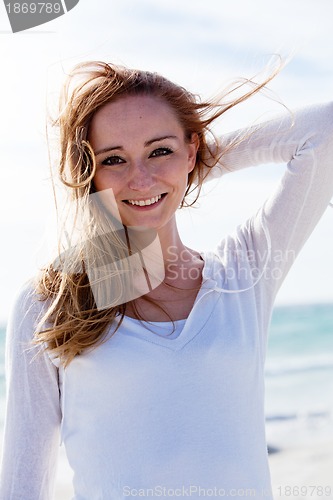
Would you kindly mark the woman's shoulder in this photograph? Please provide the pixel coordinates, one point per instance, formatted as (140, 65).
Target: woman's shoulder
(26, 309)
(27, 295)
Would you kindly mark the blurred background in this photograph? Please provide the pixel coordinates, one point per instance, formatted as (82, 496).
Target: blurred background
(203, 46)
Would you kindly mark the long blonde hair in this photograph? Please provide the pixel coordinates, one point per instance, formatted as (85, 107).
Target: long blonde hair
(73, 322)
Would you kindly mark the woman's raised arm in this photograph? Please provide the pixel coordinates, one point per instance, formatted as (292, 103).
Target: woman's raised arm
(304, 141)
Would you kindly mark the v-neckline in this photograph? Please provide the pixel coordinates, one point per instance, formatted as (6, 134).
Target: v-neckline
(193, 324)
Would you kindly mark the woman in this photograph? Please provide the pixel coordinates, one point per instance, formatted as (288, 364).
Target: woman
(152, 367)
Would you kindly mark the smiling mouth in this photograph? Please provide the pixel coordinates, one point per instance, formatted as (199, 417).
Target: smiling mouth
(147, 202)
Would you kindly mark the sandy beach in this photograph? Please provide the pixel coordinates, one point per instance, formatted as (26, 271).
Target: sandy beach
(303, 465)
(303, 472)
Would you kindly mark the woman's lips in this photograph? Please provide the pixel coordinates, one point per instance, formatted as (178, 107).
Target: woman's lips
(146, 204)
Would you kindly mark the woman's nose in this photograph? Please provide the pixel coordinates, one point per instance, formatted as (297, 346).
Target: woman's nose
(141, 177)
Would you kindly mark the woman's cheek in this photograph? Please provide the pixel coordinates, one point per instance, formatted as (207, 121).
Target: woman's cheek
(105, 179)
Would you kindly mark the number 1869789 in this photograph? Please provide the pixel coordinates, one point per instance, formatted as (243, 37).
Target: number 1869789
(34, 8)
(304, 491)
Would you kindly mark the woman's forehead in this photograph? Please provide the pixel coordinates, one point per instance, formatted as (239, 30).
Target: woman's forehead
(138, 114)
(133, 105)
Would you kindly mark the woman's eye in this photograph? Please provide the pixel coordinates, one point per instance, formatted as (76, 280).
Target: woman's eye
(112, 161)
(161, 152)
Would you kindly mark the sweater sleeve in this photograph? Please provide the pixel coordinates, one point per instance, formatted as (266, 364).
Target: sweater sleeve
(304, 141)
(32, 421)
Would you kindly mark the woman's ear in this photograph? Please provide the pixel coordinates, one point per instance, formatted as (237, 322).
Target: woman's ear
(193, 147)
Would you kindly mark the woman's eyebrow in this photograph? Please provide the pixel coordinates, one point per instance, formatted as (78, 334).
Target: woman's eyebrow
(147, 143)
(108, 148)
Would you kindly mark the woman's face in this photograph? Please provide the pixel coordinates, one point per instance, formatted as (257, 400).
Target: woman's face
(141, 153)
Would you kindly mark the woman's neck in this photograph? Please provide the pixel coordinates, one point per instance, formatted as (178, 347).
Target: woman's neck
(174, 296)
(173, 249)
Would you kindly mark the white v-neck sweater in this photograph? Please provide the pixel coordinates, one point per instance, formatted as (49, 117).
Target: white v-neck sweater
(157, 417)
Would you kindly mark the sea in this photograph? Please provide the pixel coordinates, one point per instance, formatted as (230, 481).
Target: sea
(298, 375)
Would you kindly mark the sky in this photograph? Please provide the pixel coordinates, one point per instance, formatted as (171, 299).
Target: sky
(200, 45)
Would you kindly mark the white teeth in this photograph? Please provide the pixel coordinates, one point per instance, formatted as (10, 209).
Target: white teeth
(143, 203)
